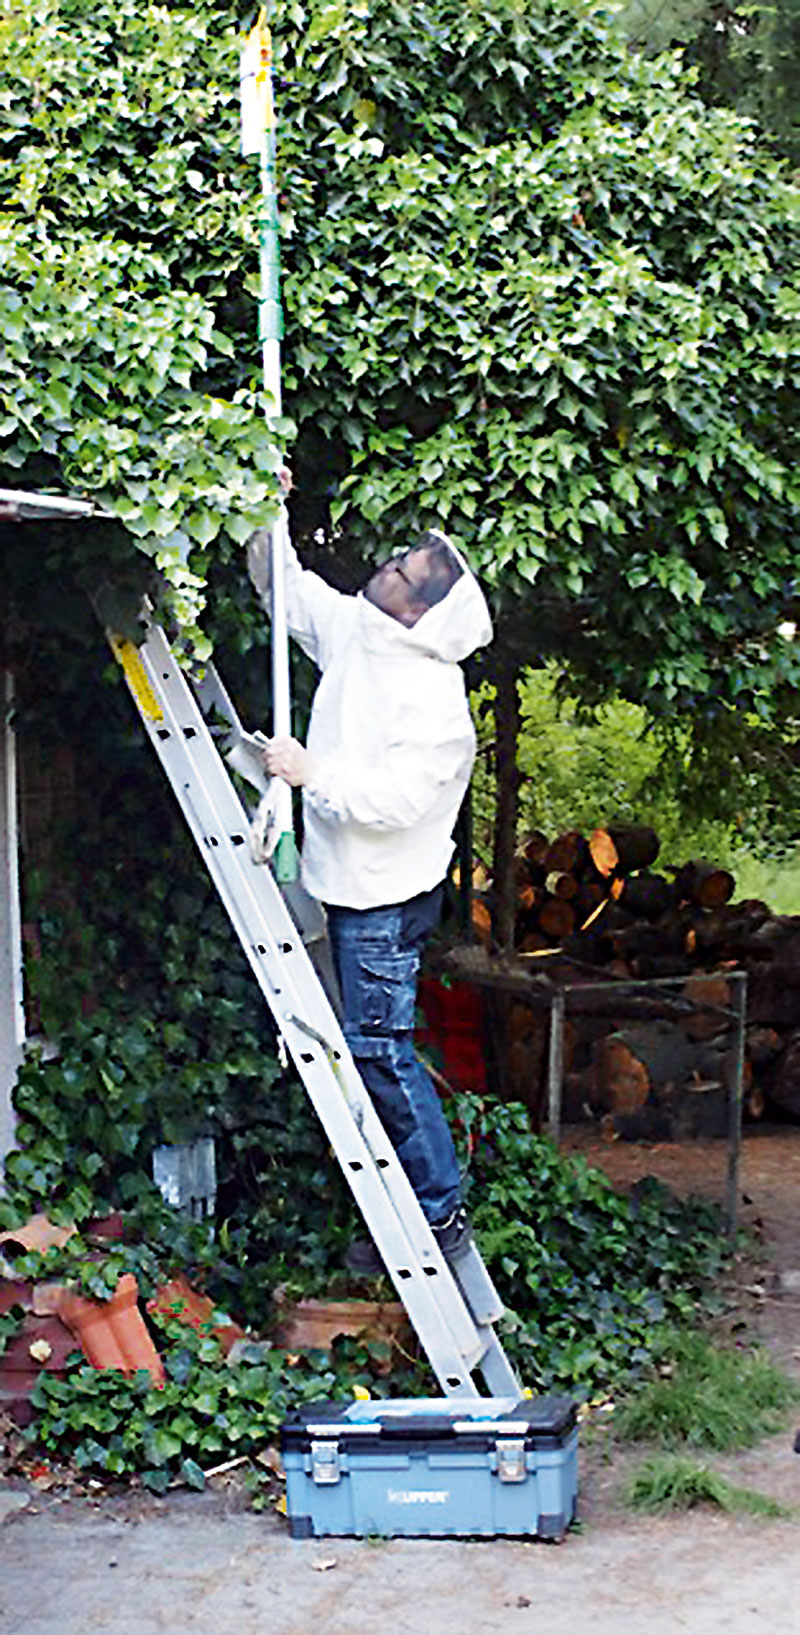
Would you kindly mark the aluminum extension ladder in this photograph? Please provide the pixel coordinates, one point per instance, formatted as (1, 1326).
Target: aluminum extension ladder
(453, 1309)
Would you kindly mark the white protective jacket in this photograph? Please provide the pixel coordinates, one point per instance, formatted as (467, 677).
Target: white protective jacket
(391, 737)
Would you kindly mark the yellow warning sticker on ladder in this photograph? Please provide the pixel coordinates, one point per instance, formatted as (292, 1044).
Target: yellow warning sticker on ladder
(127, 653)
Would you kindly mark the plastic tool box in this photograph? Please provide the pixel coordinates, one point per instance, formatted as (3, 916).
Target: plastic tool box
(434, 1466)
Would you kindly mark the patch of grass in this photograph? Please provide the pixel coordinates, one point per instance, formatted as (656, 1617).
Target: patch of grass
(707, 1396)
(675, 1482)
(775, 880)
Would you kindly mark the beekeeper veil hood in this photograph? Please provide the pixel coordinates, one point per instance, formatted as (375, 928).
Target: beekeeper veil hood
(456, 620)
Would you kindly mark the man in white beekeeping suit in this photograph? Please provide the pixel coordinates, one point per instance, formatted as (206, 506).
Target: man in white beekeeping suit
(388, 759)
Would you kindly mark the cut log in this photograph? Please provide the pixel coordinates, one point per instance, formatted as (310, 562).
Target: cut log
(646, 896)
(556, 918)
(590, 893)
(536, 846)
(622, 848)
(763, 1045)
(528, 898)
(567, 854)
(715, 1064)
(481, 922)
(711, 995)
(526, 919)
(704, 884)
(522, 1035)
(607, 917)
(652, 941)
(777, 939)
(631, 1064)
(772, 1000)
(621, 1080)
(535, 942)
(526, 874)
(565, 886)
(653, 967)
(591, 947)
(718, 931)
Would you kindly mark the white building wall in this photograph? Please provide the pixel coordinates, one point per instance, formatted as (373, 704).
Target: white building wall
(12, 1015)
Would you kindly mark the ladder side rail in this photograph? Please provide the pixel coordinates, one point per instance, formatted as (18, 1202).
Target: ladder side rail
(179, 738)
(281, 931)
(469, 1274)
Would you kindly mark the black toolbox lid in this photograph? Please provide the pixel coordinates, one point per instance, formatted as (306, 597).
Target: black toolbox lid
(470, 1423)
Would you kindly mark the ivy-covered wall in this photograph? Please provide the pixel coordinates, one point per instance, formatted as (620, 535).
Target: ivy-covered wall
(156, 1030)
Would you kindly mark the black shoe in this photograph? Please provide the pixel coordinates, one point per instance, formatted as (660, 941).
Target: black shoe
(454, 1234)
(362, 1259)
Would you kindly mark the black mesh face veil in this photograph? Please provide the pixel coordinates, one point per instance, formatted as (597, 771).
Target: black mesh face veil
(444, 568)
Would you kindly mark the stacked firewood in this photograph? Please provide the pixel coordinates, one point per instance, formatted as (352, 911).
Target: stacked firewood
(653, 1061)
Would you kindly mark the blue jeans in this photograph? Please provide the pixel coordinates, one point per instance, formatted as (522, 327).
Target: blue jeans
(376, 952)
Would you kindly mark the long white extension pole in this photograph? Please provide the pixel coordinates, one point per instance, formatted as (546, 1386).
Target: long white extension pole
(258, 137)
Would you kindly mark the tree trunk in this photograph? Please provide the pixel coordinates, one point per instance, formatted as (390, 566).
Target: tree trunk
(507, 726)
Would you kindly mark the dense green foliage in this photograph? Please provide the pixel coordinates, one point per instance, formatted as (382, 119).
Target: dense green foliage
(127, 211)
(586, 1275)
(205, 1413)
(162, 1036)
(535, 290)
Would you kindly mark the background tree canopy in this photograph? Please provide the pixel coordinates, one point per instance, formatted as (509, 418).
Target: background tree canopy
(746, 54)
(536, 290)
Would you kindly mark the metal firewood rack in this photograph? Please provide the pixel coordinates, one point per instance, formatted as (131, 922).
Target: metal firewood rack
(591, 995)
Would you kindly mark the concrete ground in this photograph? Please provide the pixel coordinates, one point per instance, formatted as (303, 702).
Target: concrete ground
(184, 1568)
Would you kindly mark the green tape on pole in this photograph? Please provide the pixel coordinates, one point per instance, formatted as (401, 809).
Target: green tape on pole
(285, 865)
(270, 321)
(269, 211)
(270, 281)
(270, 254)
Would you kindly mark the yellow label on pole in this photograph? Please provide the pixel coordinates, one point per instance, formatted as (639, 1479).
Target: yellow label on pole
(255, 81)
(127, 654)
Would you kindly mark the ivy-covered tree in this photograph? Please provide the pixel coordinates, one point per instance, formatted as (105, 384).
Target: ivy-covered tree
(534, 287)
(535, 290)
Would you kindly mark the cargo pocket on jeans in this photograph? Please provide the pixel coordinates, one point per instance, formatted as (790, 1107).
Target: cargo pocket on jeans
(386, 993)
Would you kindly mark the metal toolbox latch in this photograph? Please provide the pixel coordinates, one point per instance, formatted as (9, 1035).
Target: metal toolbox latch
(325, 1464)
(511, 1459)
